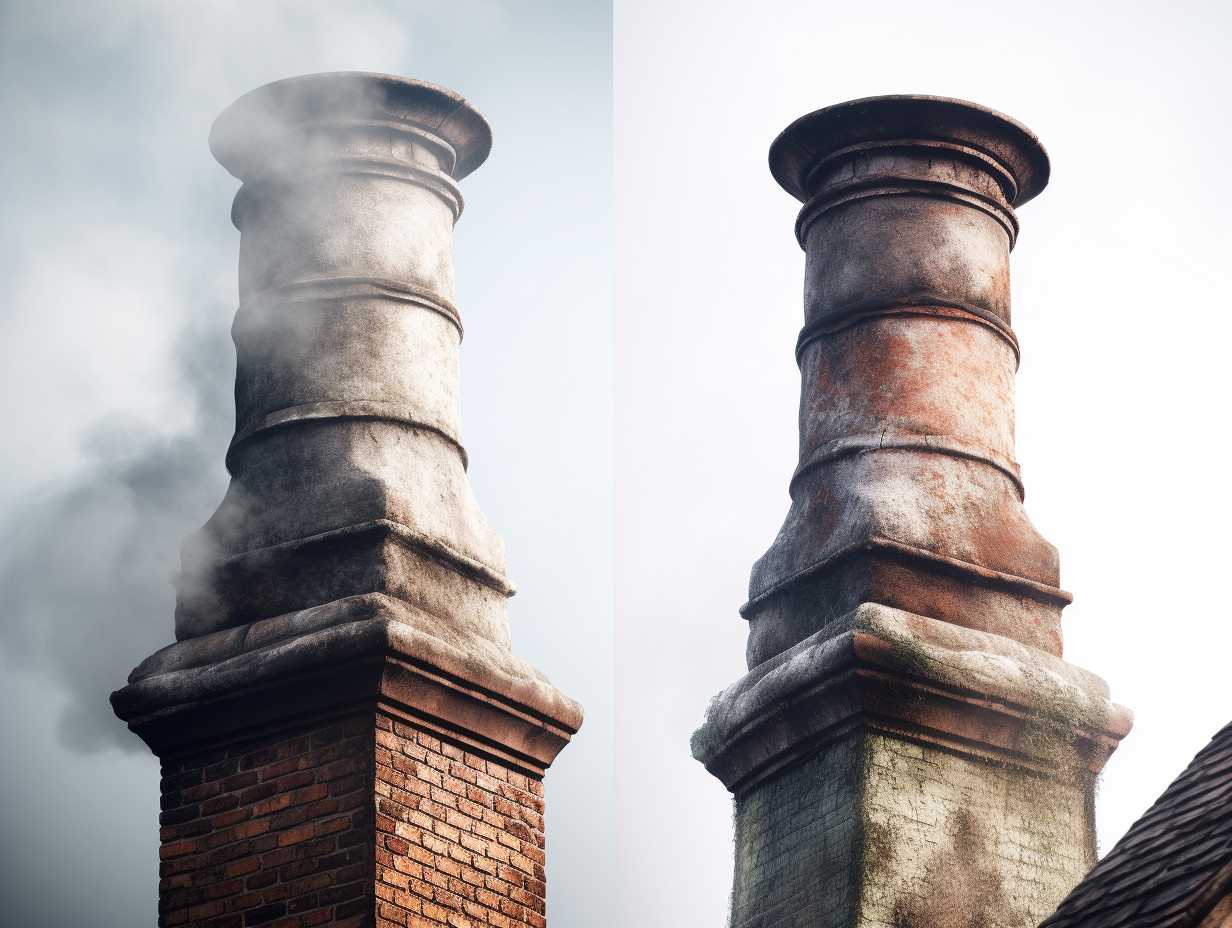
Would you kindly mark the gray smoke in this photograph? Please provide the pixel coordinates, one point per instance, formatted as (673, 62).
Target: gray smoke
(88, 568)
(121, 262)
(87, 572)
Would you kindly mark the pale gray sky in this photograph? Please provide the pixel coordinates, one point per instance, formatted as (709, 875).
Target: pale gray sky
(1121, 284)
(120, 260)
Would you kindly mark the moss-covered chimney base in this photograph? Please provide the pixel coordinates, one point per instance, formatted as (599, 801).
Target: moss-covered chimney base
(896, 770)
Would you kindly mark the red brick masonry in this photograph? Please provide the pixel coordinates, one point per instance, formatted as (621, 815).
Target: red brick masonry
(356, 822)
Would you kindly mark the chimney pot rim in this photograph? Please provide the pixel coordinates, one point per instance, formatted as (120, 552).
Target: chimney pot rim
(908, 116)
(247, 130)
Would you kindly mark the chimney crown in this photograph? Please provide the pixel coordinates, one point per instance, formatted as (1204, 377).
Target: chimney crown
(300, 112)
(803, 154)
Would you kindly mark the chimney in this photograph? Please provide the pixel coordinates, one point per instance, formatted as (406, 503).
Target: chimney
(908, 748)
(346, 737)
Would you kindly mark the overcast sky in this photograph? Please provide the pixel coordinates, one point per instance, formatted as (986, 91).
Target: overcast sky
(1121, 283)
(120, 262)
(634, 458)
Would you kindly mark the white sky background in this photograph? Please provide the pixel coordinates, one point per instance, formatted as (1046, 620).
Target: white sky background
(1121, 283)
(120, 262)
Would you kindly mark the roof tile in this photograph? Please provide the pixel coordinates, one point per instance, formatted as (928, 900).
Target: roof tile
(1169, 856)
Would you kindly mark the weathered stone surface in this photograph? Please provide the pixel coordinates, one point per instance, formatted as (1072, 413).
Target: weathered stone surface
(908, 749)
(899, 770)
(348, 475)
(968, 691)
(875, 830)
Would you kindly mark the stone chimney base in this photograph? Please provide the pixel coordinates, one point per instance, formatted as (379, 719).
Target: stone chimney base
(877, 829)
(898, 770)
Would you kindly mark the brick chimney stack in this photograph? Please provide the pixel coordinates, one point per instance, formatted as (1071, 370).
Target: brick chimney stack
(345, 734)
(908, 747)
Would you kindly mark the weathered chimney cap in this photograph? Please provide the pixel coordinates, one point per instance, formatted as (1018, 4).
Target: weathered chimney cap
(285, 112)
(820, 135)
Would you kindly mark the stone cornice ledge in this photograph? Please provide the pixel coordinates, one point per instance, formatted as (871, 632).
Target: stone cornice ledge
(371, 650)
(934, 682)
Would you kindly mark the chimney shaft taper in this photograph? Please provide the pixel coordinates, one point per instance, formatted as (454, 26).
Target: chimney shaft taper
(346, 736)
(908, 748)
(348, 472)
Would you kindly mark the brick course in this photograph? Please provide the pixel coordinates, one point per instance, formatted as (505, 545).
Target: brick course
(360, 821)
(459, 838)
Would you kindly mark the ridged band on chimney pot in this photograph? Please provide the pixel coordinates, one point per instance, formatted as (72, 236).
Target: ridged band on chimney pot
(907, 747)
